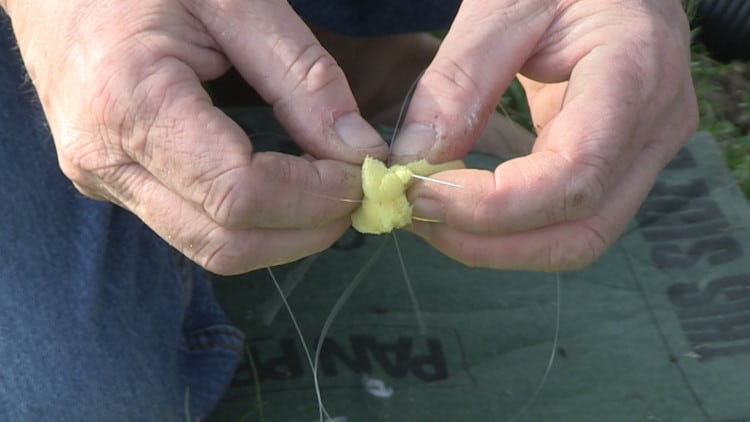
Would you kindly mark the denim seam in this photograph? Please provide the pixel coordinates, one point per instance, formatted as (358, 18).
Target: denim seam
(185, 277)
(212, 338)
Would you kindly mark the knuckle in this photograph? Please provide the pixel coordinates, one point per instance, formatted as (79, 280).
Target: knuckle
(222, 261)
(452, 76)
(215, 249)
(312, 70)
(313, 77)
(89, 192)
(586, 190)
(579, 251)
(85, 162)
(77, 159)
(459, 105)
(266, 195)
(227, 201)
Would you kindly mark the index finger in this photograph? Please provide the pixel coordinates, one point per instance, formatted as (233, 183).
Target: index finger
(198, 152)
(281, 58)
(476, 62)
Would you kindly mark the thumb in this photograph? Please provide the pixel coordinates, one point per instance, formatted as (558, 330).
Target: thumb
(461, 88)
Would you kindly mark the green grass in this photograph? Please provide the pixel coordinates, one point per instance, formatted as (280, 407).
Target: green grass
(722, 108)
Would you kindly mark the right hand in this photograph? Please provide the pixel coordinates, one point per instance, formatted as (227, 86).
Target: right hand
(609, 88)
(120, 83)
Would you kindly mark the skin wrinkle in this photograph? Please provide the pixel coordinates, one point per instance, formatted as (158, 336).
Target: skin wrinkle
(585, 190)
(484, 210)
(204, 62)
(550, 64)
(211, 260)
(536, 90)
(116, 178)
(198, 182)
(190, 242)
(224, 14)
(602, 172)
(307, 186)
(74, 155)
(458, 79)
(221, 206)
(147, 117)
(124, 119)
(285, 172)
(471, 119)
(310, 70)
(321, 76)
(557, 213)
(211, 15)
(475, 257)
(596, 243)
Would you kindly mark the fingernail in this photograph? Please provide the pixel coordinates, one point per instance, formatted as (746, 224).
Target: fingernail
(428, 210)
(356, 132)
(413, 142)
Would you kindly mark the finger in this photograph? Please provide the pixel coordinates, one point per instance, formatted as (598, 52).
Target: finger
(474, 65)
(547, 99)
(218, 249)
(279, 56)
(577, 157)
(171, 129)
(562, 246)
(502, 137)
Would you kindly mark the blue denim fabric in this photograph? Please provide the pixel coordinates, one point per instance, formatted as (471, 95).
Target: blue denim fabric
(378, 17)
(100, 320)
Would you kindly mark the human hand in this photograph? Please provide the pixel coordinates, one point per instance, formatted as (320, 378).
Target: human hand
(120, 84)
(611, 96)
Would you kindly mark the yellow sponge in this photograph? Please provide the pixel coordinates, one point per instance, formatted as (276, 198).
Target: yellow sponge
(384, 206)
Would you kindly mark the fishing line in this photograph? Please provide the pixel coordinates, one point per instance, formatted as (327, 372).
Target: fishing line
(343, 298)
(337, 308)
(314, 359)
(304, 344)
(553, 352)
(407, 280)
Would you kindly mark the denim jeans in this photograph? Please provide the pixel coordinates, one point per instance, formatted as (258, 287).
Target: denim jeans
(99, 318)
(378, 17)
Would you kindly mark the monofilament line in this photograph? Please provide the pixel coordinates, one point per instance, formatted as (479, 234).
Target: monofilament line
(438, 181)
(407, 281)
(335, 310)
(304, 346)
(553, 352)
(402, 111)
(401, 114)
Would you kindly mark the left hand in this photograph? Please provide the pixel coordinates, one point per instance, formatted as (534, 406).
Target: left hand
(612, 100)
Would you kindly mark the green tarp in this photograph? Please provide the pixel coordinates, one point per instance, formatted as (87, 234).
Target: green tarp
(658, 329)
